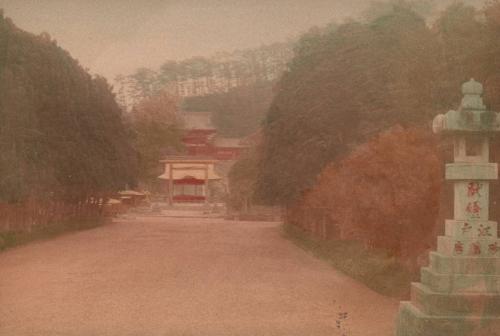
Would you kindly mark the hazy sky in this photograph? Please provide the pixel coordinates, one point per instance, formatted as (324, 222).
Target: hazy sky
(118, 36)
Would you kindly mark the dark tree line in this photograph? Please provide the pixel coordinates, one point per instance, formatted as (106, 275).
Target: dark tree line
(349, 82)
(221, 72)
(61, 131)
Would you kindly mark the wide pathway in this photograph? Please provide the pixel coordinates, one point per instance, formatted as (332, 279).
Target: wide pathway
(180, 276)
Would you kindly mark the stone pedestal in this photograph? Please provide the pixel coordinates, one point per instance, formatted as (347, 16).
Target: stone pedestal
(459, 293)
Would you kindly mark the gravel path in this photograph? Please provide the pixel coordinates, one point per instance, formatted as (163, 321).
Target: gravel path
(180, 276)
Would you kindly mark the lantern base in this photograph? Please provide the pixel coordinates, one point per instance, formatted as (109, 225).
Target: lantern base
(413, 322)
(457, 295)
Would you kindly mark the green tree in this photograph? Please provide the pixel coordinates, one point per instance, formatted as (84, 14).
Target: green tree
(61, 130)
(344, 86)
(242, 179)
(156, 133)
(462, 45)
(145, 83)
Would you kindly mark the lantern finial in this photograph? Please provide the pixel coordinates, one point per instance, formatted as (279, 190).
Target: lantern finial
(472, 99)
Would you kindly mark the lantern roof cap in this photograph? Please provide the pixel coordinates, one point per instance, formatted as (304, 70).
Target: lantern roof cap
(472, 99)
(471, 116)
(472, 88)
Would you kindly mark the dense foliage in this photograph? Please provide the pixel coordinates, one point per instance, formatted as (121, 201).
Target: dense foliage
(156, 133)
(61, 132)
(242, 177)
(350, 82)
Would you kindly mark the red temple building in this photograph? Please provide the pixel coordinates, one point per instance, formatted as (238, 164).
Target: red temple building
(189, 177)
(201, 139)
(199, 133)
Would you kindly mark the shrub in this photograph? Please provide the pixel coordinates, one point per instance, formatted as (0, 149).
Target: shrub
(386, 193)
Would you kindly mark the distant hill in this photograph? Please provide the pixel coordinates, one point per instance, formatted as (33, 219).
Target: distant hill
(200, 76)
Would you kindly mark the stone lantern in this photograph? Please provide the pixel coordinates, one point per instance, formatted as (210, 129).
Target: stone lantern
(459, 293)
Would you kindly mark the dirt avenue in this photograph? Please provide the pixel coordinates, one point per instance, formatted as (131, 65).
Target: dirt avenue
(182, 276)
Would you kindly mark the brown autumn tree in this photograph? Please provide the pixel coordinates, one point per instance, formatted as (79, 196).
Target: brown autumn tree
(386, 192)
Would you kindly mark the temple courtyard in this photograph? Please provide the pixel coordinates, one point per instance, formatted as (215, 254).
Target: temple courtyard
(147, 275)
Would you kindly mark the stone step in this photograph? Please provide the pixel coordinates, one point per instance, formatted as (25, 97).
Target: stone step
(487, 247)
(460, 283)
(463, 304)
(462, 229)
(441, 263)
(413, 322)
(461, 171)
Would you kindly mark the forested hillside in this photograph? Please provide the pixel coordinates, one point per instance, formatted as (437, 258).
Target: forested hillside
(347, 144)
(350, 82)
(61, 132)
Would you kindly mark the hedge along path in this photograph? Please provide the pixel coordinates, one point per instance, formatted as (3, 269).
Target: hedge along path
(26, 220)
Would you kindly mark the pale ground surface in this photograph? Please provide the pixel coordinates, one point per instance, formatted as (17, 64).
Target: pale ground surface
(181, 276)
